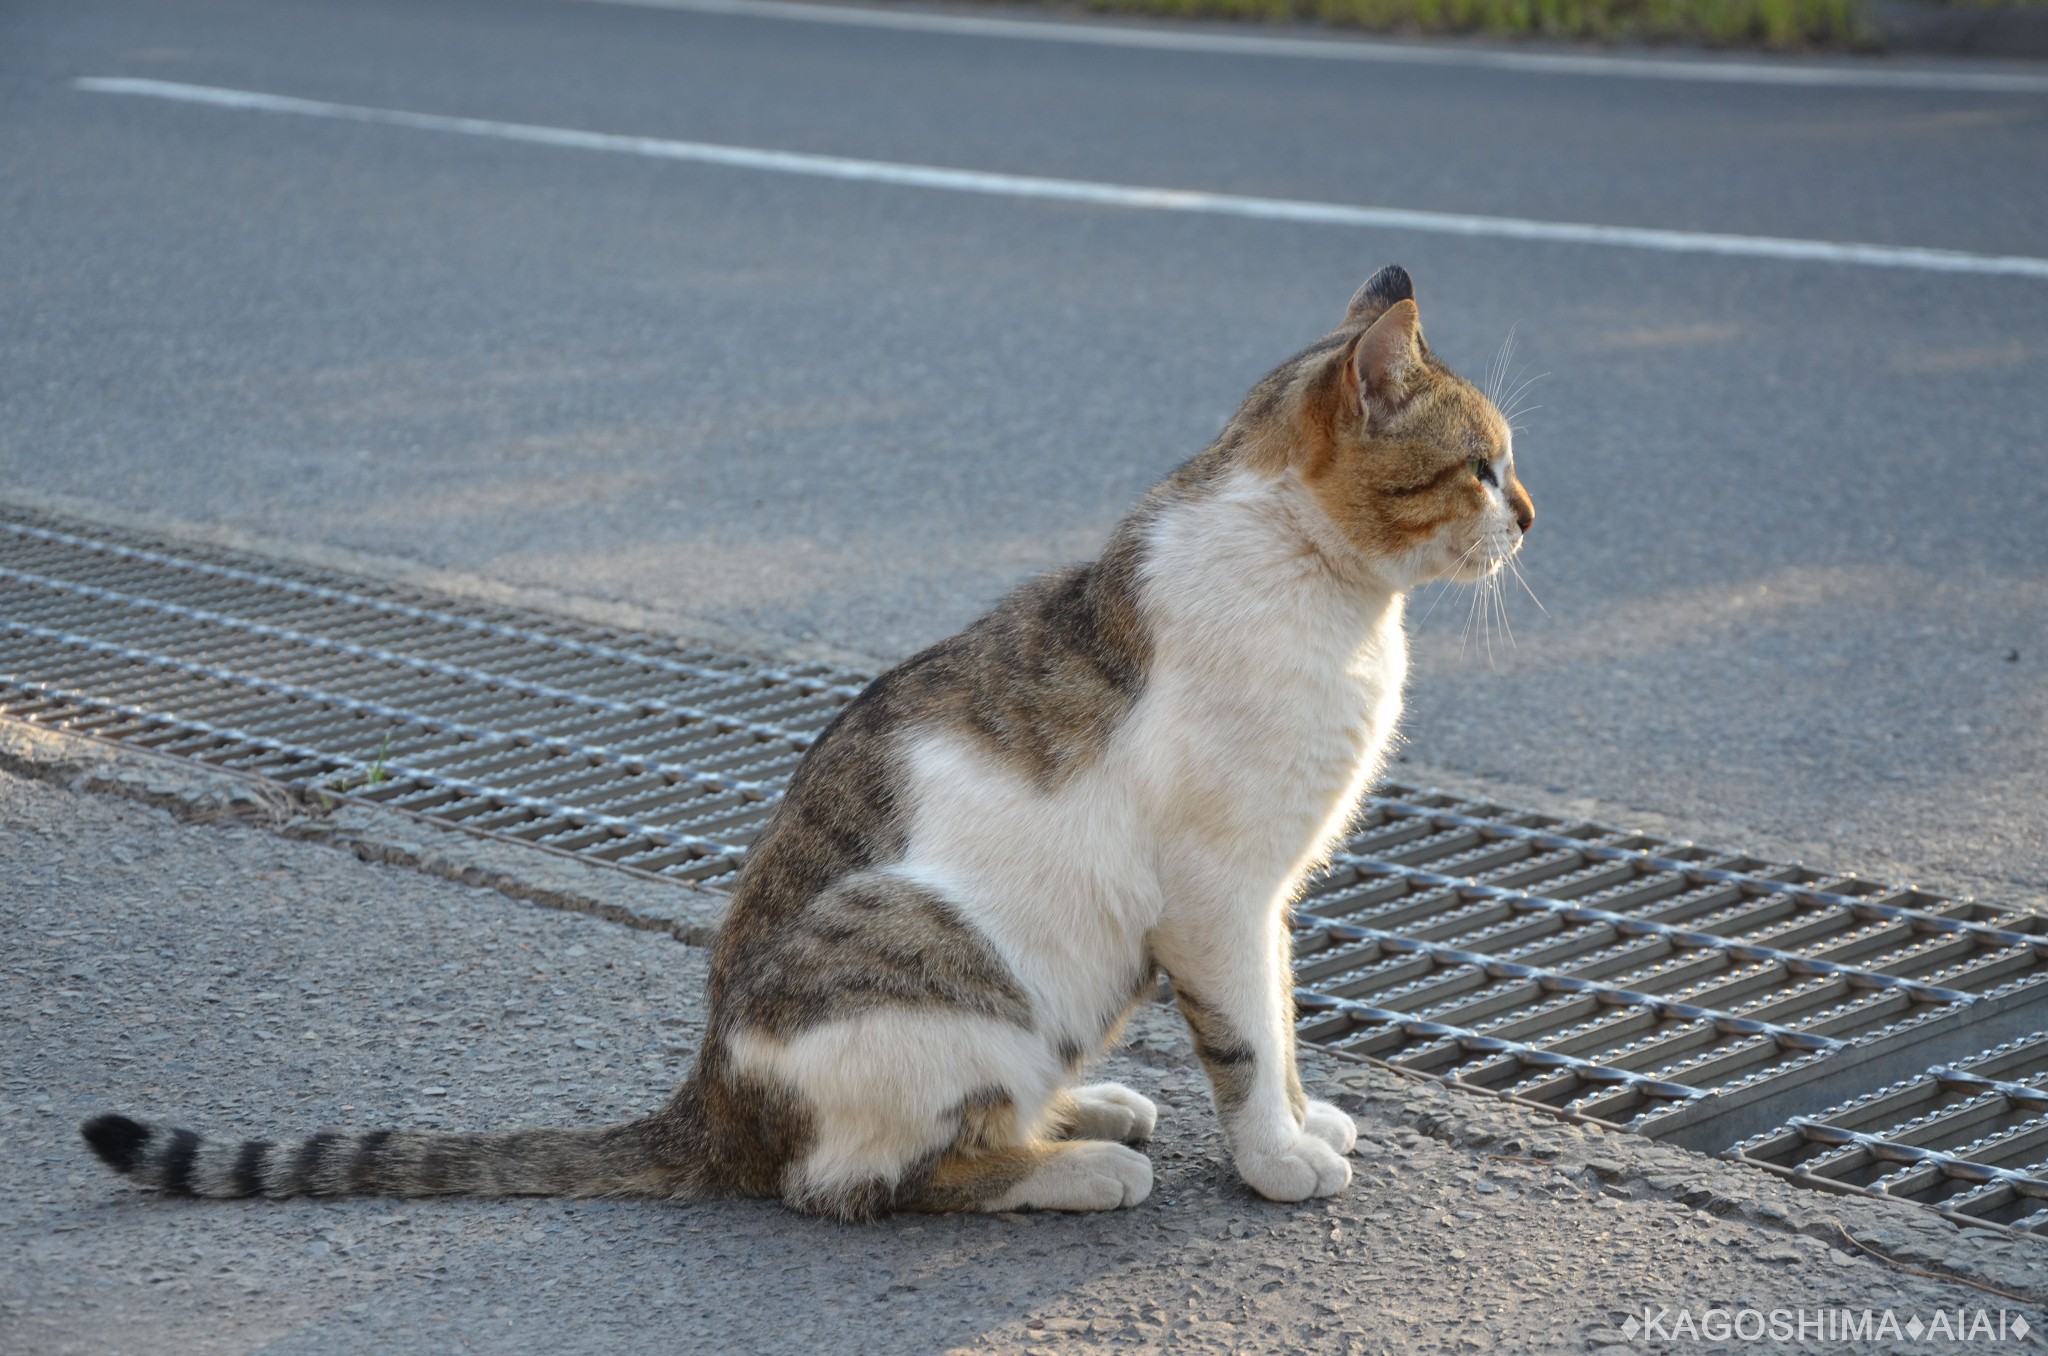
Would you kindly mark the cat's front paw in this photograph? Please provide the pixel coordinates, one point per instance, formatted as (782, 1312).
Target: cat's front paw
(1112, 1111)
(1330, 1125)
(1305, 1167)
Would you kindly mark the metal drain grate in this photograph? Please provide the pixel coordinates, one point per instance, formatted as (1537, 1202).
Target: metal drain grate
(1969, 1139)
(1688, 994)
(608, 744)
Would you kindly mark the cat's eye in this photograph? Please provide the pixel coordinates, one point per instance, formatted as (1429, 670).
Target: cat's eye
(1483, 468)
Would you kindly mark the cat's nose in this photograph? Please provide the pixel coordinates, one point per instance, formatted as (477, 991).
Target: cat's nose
(1520, 504)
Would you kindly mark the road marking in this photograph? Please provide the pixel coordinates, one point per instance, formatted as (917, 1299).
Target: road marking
(1097, 194)
(1334, 48)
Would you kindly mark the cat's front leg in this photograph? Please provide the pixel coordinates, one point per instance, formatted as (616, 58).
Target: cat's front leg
(1231, 973)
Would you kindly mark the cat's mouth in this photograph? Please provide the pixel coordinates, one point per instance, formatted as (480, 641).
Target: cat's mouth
(1486, 557)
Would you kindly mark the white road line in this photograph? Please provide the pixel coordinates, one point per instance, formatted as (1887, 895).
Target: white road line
(1097, 194)
(1861, 73)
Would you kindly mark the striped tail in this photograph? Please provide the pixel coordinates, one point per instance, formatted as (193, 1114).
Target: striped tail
(617, 1160)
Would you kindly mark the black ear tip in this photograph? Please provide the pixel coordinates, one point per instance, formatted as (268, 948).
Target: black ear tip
(1389, 287)
(117, 1140)
(1392, 284)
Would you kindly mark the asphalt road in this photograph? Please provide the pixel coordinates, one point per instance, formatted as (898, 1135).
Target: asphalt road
(1793, 533)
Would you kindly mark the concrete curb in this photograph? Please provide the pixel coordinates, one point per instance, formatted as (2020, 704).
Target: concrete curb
(200, 794)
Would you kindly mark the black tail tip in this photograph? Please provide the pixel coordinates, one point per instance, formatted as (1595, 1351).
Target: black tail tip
(117, 1140)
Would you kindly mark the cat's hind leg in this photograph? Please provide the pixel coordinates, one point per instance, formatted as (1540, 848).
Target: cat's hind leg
(944, 1111)
(1081, 1174)
(1108, 1111)
(933, 1109)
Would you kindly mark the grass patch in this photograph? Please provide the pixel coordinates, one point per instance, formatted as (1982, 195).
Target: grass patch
(1745, 23)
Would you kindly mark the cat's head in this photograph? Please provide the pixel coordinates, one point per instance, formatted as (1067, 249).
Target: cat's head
(1410, 463)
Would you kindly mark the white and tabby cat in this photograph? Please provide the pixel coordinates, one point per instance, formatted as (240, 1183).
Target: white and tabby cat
(985, 861)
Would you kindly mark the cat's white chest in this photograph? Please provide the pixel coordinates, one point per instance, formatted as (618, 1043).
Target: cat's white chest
(1260, 743)
(1274, 690)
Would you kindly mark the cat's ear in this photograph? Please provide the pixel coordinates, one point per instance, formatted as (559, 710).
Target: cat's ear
(1387, 353)
(1381, 290)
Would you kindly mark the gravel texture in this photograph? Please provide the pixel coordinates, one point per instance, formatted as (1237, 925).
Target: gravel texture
(230, 977)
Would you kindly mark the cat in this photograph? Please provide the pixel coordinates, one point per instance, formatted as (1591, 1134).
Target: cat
(988, 857)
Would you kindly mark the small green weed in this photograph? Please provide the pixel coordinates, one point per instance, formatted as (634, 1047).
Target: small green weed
(374, 775)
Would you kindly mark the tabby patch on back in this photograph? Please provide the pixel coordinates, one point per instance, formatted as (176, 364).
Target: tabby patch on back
(908, 986)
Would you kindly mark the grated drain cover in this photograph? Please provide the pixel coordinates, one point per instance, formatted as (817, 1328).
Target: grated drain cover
(1969, 1139)
(1687, 994)
(1696, 996)
(607, 744)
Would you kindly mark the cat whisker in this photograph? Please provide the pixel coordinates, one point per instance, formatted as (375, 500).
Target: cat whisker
(1486, 620)
(1516, 394)
(1497, 370)
(1446, 582)
(1471, 616)
(1517, 412)
(1434, 599)
(1495, 606)
(1500, 602)
(1523, 580)
(1444, 586)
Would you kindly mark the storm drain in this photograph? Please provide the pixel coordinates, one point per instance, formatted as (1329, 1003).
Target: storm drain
(1968, 1138)
(1690, 995)
(621, 747)
(1696, 996)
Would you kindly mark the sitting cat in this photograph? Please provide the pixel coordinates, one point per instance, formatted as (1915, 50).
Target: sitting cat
(985, 860)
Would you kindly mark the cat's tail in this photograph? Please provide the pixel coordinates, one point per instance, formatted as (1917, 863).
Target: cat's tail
(636, 1158)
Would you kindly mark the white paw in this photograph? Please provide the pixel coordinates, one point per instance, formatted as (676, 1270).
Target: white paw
(1330, 1125)
(1307, 1167)
(1112, 1111)
(1089, 1174)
